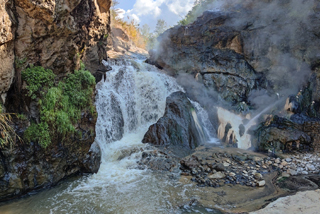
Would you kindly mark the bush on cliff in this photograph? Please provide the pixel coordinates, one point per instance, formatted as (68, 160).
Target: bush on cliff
(60, 103)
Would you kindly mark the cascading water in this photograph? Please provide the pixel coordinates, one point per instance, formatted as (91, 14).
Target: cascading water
(130, 99)
(236, 121)
(204, 123)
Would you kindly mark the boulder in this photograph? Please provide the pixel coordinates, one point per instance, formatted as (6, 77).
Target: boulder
(176, 130)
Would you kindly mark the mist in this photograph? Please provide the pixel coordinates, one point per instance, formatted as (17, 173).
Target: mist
(278, 37)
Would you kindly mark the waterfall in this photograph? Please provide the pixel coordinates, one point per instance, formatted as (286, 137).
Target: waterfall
(203, 123)
(129, 99)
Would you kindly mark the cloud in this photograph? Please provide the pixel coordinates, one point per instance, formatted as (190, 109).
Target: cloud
(149, 11)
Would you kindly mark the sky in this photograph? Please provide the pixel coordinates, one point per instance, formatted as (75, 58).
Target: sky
(149, 11)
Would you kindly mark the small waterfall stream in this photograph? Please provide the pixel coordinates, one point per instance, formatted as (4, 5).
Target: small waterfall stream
(130, 99)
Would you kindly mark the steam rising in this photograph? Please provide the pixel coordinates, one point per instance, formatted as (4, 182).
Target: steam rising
(280, 40)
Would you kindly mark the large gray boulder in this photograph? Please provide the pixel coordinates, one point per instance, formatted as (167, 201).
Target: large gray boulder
(176, 130)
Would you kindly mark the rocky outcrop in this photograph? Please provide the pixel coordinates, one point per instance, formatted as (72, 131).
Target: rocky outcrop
(246, 46)
(52, 34)
(282, 134)
(176, 130)
(6, 46)
(56, 35)
(213, 49)
(26, 166)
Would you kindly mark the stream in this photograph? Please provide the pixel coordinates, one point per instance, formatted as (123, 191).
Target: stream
(130, 99)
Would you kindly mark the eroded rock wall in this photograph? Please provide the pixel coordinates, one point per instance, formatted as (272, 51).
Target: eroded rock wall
(54, 34)
(7, 35)
(261, 45)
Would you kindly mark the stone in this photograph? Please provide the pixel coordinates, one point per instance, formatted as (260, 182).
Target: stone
(277, 160)
(258, 176)
(232, 174)
(292, 172)
(261, 183)
(176, 130)
(226, 164)
(288, 159)
(219, 167)
(311, 167)
(304, 173)
(284, 163)
(217, 175)
(285, 174)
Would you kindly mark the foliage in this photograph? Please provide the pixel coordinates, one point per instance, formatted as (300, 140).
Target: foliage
(60, 104)
(19, 62)
(39, 133)
(37, 77)
(197, 10)
(141, 36)
(7, 133)
(160, 27)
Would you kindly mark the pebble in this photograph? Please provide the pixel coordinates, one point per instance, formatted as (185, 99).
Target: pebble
(288, 159)
(217, 175)
(258, 176)
(285, 174)
(310, 167)
(232, 174)
(292, 172)
(226, 164)
(261, 183)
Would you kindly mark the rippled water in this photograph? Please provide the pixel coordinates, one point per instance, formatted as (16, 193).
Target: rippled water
(130, 99)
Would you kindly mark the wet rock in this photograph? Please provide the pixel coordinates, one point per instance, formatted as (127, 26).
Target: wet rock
(176, 130)
(27, 166)
(283, 135)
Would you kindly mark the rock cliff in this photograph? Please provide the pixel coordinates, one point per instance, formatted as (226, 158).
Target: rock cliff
(243, 47)
(246, 53)
(57, 35)
(53, 34)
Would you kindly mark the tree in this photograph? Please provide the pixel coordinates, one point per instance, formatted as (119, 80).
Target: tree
(114, 4)
(160, 27)
(197, 10)
(145, 31)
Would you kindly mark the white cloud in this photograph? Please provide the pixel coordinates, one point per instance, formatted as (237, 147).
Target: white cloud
(121, 13)
(149, 11)
(180, 7)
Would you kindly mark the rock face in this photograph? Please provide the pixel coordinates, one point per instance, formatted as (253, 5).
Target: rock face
(282, 134)
(52, 34)
(6, 46)
(246, 47)
(214, 50)
(246, 52)
(55, 35)
(176, 130)
(27, 166)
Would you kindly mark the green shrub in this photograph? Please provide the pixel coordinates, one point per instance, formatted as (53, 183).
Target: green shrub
(60, 104)
(37, 77)
(39, 133)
